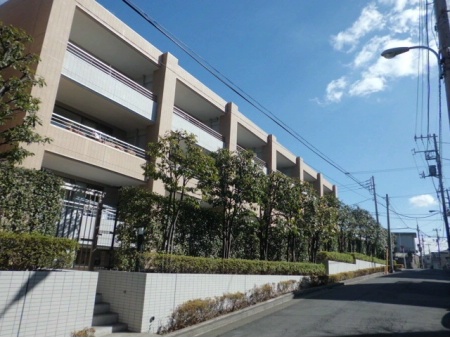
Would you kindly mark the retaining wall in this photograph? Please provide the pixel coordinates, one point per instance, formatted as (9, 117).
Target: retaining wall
(139, 297)
(338, 267)
(46, 303)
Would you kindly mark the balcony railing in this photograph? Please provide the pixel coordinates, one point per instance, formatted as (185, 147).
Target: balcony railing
(109, 70)
(84, 69)
(255, 158)
(93, 134)
(197, 123)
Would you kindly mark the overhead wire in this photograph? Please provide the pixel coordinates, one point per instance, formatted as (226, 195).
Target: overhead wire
(265, 111)
(241, 93)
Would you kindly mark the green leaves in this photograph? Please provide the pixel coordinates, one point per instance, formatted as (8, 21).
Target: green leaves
(18, 109)
(30, 200)
(35, 251)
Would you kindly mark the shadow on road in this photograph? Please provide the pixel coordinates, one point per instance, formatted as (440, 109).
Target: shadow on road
(442, 333)
(421, 288)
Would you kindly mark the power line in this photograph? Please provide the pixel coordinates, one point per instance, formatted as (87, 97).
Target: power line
(236, 89)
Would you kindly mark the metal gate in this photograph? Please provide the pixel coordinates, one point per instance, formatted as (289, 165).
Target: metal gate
(87, 220)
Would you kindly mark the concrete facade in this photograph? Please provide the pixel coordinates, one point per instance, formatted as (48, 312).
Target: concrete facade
(109, 92)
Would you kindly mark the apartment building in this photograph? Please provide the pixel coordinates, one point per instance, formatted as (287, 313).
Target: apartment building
(109, 92)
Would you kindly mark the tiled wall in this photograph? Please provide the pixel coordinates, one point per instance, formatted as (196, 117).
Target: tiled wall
(46, 303)
(338, 267)
(137, 297)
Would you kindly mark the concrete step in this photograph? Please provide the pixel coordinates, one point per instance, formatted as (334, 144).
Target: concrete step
(101, 319)
(104, 330)
(100, 308)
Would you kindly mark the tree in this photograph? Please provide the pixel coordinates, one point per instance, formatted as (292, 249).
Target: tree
(18, 108)
(178, 162)
(294, 216)
(232, 191)
(274, 189)
(323, 227)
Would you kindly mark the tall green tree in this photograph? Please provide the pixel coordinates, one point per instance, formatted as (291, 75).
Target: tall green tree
(323, 225)
(294, 217)
(232, 191)
(275, 187)
(179, 163)
(18, 108)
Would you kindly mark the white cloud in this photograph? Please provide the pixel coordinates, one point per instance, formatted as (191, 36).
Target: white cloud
(366, 86)
(382, 24)
(369, 20)
(423, 201)
(335, 90)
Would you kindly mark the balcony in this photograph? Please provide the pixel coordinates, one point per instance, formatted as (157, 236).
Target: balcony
(256, 159)
(207, 137)
(84, 69)
(93, 134)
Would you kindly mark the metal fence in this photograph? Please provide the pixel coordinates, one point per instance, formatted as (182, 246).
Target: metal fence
(87, 220)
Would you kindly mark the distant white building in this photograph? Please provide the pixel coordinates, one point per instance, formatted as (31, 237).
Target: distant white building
(405, 251)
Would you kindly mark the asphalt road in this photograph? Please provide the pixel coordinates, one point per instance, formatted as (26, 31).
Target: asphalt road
(407, 303)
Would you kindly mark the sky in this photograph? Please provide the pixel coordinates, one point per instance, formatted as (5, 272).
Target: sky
(316, 66)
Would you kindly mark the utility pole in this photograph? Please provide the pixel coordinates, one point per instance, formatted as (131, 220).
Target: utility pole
(376, 213)
(420, 247)
(436, 171)
(443, 29)
(439, 248)
(391, 263)
(441, 188)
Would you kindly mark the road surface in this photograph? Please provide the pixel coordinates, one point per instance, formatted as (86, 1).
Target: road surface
(407, 303)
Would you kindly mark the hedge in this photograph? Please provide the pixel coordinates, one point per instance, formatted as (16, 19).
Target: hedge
(34, 251)
(156, 262)
(30, 200)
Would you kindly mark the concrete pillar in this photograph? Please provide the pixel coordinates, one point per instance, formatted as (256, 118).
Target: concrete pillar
(335, 190)
(49, 23)
(272, 154)
(228, 126)
(318, 184)
(298, 171)
(164, 86)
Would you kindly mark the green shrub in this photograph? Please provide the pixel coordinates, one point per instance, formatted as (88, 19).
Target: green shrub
(325, 256)
(366, 258)
(156, 262)
(348, 257)
(30, 200)
(35, 251)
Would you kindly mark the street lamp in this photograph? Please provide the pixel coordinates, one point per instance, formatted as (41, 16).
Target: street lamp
(393, 52)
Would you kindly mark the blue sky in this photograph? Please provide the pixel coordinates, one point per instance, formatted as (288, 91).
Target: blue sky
(316, 65)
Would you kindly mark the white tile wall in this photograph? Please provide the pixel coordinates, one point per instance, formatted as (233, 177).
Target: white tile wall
(157, 295)
(46, 303)
(338, 267)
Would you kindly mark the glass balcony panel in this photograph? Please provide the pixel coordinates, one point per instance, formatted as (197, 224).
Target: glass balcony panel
(90, 72)
(206, 137)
